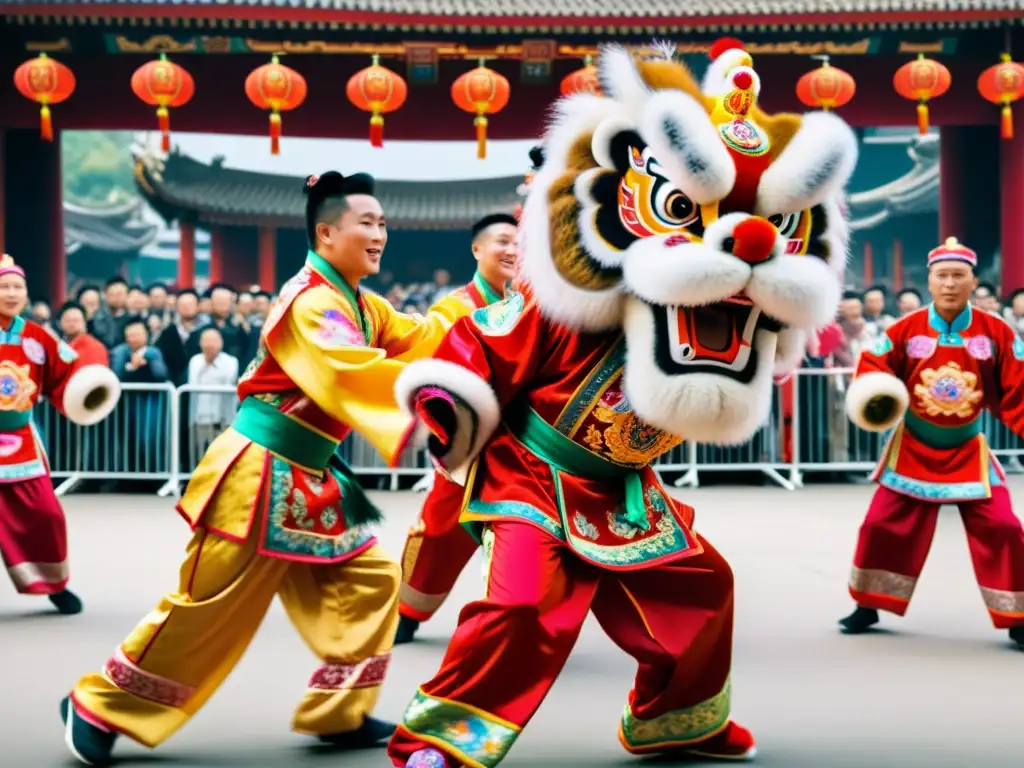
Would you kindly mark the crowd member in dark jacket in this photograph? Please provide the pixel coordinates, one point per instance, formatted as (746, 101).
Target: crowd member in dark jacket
(179, 341)
(237, 342)
(109, 322)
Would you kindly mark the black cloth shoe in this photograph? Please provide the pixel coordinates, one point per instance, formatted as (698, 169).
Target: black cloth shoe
(406, 632)
(860, 621)
(87, 743)
(67, 602)
(370, 734)
(1017, 635)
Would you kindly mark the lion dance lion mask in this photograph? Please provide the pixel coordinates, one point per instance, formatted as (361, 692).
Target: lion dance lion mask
(712, 232)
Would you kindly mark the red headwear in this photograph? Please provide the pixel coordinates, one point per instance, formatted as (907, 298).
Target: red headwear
(8, 267)
(953, 250)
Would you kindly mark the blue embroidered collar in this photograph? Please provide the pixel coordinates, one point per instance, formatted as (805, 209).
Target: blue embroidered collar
(960, 324)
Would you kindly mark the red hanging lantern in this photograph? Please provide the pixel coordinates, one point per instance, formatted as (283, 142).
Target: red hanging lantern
(164, 85)
(1003, 84)
(279, 89)
(583, 80)
(826, 87)
(922, 80)
(45, 82)
(377, 90)
(483, 92)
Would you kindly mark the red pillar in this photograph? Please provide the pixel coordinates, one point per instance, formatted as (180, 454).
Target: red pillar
(869, 267)
(186, 254)
(57, 285)
(897, 264)
(952, 186)
(1011, 198)
(216, 255)
(267, 275)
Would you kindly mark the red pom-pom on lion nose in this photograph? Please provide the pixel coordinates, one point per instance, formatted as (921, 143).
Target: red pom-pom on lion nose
(742, 80)
(755, 239)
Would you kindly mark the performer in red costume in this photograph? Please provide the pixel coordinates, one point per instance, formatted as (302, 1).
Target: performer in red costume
(674, 242)
(929, 378)
(438, 548)
(34, 364)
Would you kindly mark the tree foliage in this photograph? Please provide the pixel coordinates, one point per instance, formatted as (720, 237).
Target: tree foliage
(97, 166)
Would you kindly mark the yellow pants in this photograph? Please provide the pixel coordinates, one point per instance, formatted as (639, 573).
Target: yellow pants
(176, 658)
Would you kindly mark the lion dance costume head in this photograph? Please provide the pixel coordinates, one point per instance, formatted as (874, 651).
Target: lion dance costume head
(710, 231)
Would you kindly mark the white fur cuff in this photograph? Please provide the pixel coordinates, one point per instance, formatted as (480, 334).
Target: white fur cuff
(864, 388)
(91, 394)
(473, 392)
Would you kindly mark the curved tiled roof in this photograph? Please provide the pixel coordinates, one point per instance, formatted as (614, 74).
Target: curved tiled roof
(179, 186)
(540, 10)
(917, 191)
(115, 229)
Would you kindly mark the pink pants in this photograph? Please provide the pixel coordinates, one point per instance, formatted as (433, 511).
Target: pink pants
(33, 536)
(897, 534)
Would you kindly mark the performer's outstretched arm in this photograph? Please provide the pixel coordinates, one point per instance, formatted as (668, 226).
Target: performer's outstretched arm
(877, 397)
(412, 337)
(84, 393)
(481, 365)
(1011, 378)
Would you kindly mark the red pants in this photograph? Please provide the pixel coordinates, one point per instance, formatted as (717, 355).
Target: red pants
(675, 620)
(436, 552)
(33, 536)
(897, 534)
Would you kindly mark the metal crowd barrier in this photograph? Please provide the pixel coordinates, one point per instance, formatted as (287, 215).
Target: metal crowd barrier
(159, 433)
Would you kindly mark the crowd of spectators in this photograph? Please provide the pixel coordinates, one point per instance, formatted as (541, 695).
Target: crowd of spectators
(156, 335)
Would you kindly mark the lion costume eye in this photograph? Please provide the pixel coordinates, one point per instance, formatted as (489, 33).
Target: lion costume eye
(675, 208)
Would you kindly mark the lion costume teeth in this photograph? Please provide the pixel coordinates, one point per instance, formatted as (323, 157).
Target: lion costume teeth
(634, 221)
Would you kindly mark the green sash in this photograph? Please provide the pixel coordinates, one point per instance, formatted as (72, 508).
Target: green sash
(565, 455)
(941, 437)
(12, 421)
(268, 427)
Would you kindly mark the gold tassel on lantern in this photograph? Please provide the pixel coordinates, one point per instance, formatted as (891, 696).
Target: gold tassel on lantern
(1006, 124)
(922, 118)
(377, 130)
(275, 133)
(45, 123)
(481, 136)
(164, 119)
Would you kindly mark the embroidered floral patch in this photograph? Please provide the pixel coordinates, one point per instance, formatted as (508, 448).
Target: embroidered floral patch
(336, 328)
(1018, 349)
(65, 353)
(921, 347)
(881, 346)
(980, 347)
(34, 351)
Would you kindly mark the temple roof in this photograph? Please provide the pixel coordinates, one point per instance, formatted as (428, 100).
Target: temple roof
(645, 12)
(114, 229)
(178, 186)
(917, 191)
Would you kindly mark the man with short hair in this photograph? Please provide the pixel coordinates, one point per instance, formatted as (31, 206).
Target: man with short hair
(277, 513)
(928, 379)
(438, 548)
(109, 321)
(908, 300)
(72, 326)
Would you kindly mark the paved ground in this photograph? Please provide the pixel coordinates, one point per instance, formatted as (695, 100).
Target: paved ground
(941, 690)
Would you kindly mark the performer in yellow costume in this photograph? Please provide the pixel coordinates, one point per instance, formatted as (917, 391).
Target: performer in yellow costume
(275, 512)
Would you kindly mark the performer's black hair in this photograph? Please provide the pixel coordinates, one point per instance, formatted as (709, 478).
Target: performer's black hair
(490, 220)
(537, 157)
(325, 197)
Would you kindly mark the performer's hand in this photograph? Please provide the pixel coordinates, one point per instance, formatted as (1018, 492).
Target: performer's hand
(436, 409)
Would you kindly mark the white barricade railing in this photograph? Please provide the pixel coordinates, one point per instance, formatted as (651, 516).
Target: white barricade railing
(134, 443)
(160, 433)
